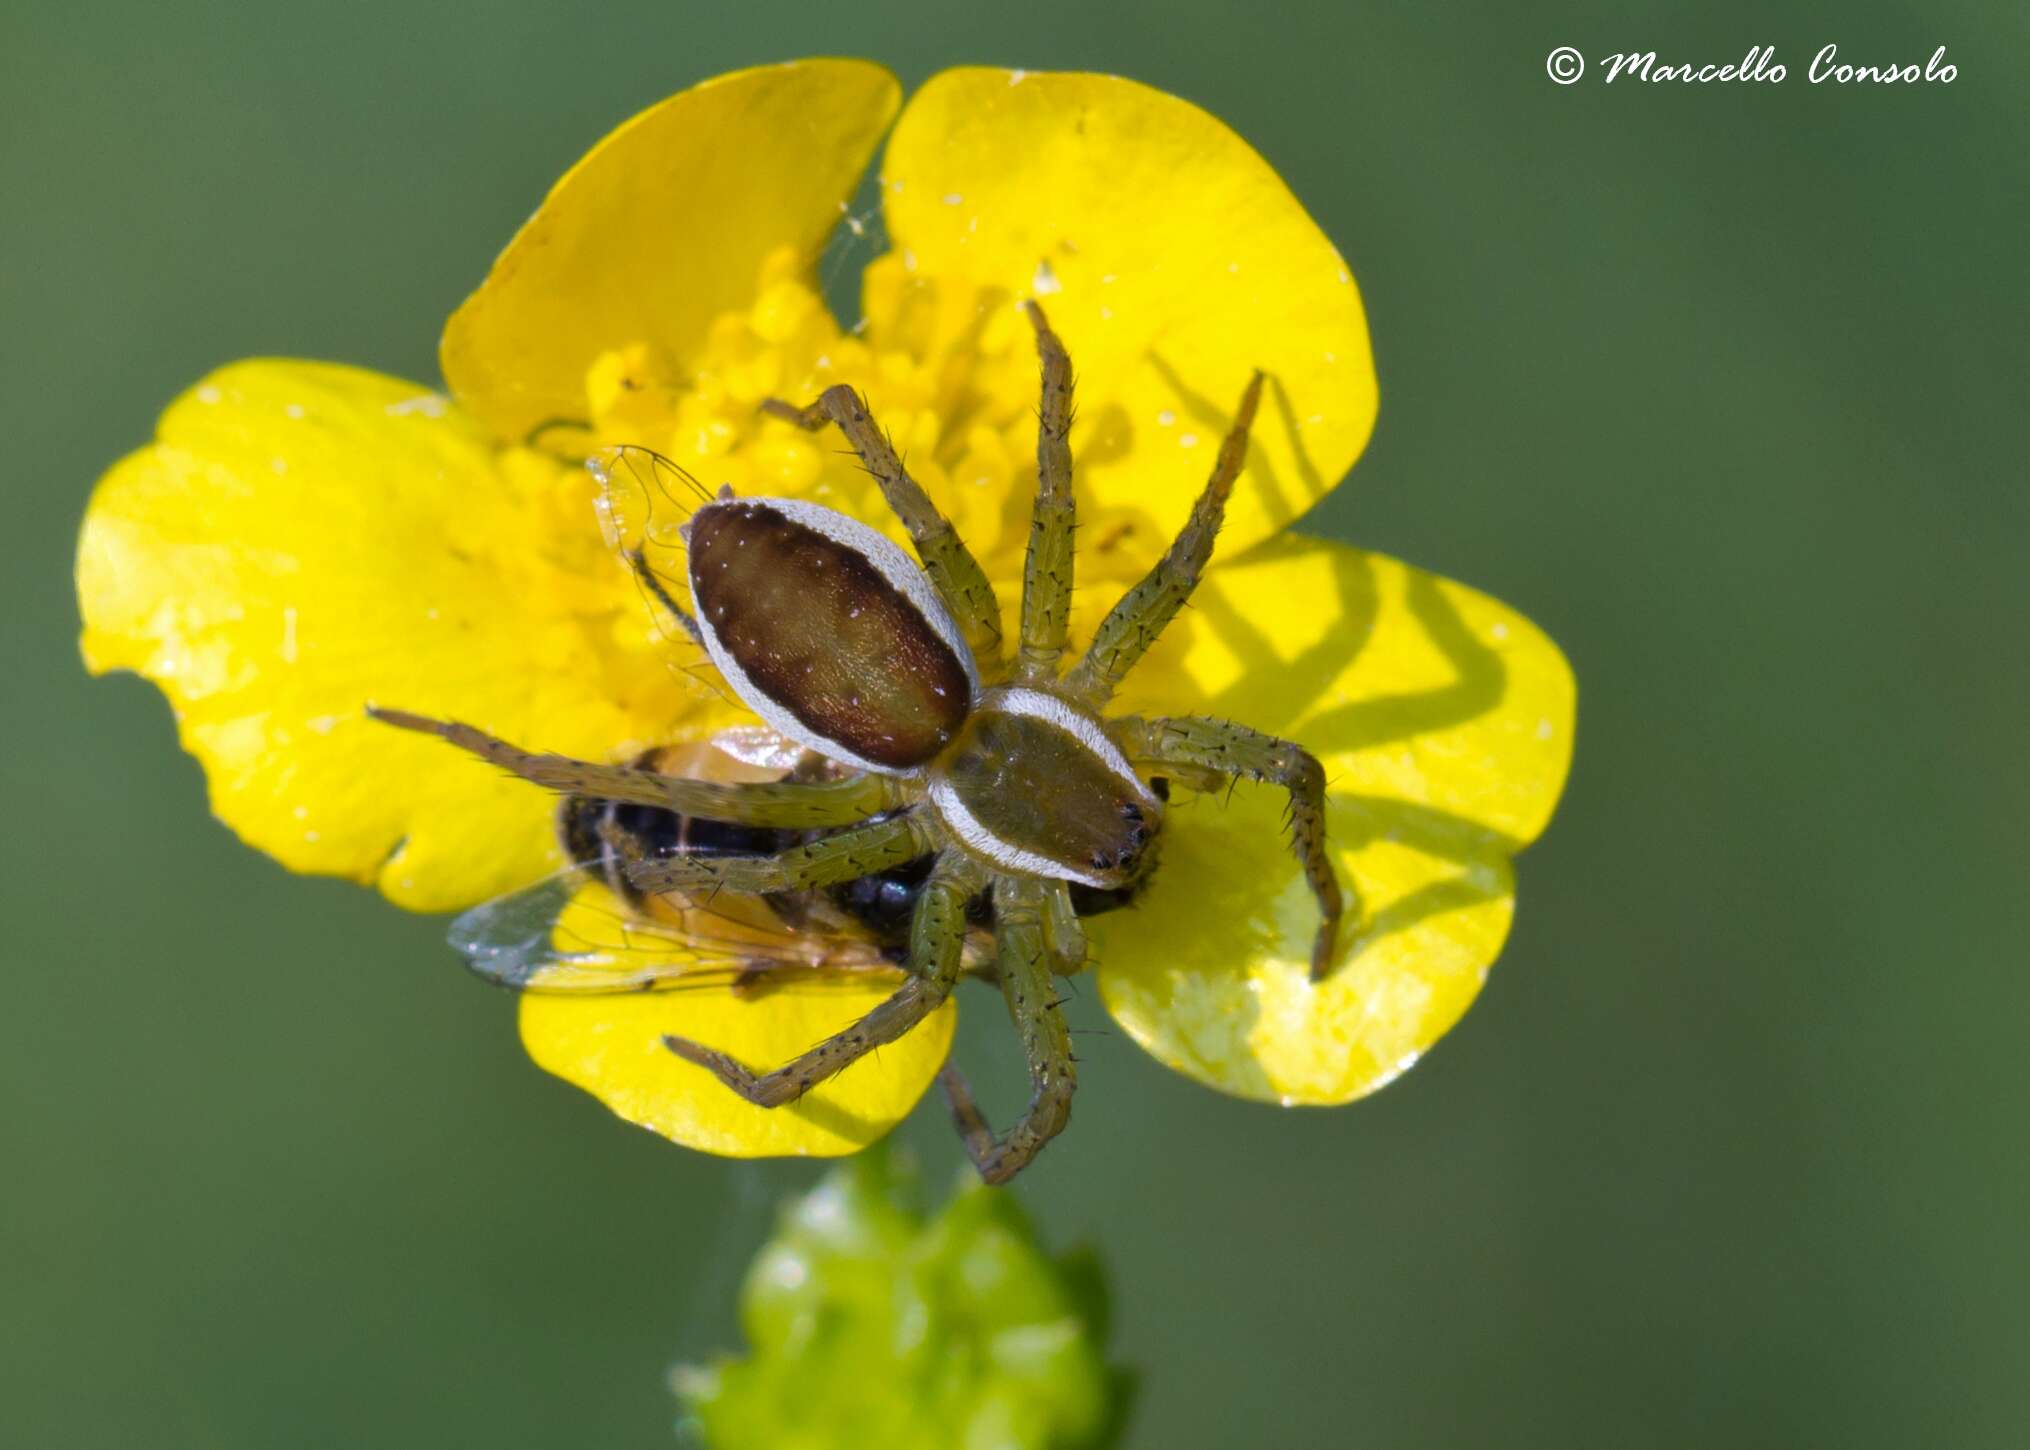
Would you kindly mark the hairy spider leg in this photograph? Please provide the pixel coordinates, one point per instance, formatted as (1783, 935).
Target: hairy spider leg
(974, 1131)
(1048, 571)
(862, 850)
(1235, 750)
(937, 935)
(954, 572)
(1022, 958)
(1134, 623)
(790, 804)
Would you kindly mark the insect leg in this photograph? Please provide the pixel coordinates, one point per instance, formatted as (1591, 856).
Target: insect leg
(1023, 958)
(784, 803)
(960, 581)
(638, 560)
(1235, 750)
(936, 939)
(1134, 623)
(1047, 573)
(847, 855)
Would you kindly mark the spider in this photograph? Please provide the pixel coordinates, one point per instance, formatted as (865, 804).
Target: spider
(1004, 772)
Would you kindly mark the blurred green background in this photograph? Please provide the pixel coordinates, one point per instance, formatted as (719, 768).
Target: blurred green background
(1723, 385)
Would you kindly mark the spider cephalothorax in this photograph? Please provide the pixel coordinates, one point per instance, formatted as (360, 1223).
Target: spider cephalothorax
(1002, 773)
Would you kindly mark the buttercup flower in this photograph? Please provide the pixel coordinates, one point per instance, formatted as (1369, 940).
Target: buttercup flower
(302, 539)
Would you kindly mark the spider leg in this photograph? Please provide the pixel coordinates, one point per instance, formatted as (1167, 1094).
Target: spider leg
(1235, 750)
(957, 575)
(972, 1124)
(1047, 573)
(1061, 929)
(1134, 623)
(937, 936)
(783, 803)
(846, 855)
(1023, 956)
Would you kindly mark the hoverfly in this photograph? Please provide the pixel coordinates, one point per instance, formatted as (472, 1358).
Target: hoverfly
(705, 939)
(976, 788)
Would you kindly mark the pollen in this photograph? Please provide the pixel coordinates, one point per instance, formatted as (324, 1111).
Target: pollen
(948, 350)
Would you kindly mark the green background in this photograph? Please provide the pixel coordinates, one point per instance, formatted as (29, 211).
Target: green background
(1723, 385)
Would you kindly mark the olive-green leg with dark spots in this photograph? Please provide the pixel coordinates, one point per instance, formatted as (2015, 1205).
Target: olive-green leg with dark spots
(1134, 623)
(1047, 573)
(1023, 959)
(793, 804)
(974, 1130)
(862, 850)
(937, 938)
(1235, 750)
(1061, 930)
(953, 570)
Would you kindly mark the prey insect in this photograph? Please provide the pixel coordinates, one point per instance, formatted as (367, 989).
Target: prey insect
(556, 936)
(590, 929)
(984, 784)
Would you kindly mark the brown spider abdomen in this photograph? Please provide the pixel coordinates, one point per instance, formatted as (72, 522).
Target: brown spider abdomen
(815, 627)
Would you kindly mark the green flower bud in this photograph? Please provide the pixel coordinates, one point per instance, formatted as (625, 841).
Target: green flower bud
(870, 1326)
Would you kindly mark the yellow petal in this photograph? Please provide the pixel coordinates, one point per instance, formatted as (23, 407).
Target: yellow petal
(1444, 720)
(1173, 261)
(661, 227)
(612, 1046)
(304, 539)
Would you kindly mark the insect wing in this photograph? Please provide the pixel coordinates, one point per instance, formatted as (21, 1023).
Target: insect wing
(515, 940)
(571, 933)
(645, 500)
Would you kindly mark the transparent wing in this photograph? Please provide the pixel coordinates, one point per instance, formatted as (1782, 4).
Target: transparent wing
(645, 500)
(572, 933)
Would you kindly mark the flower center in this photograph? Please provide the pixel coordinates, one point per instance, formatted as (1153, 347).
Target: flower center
(947, 368)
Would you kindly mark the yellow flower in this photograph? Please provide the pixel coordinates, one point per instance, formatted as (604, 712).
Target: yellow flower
(302, 539)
